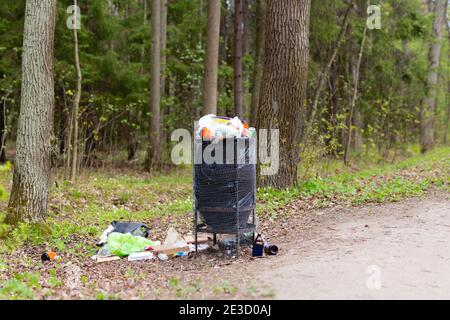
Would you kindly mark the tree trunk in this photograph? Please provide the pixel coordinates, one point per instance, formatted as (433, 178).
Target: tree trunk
(447, 97)
(163, 37)
(76, 103)
(259, 58)
(154, 147)
(143, 44)
(68, 142)
(283, 90)
(238, 33)
(354, 96)
(357, 137)
(3, 129)
(211, 57)
(29, 194)
(247, 41)
(247, 28)
(136, 114)
(429, 104)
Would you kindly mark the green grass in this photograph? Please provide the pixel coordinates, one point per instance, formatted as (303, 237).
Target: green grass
(79, 212)
(21, 286)
(84, 209)
(378, 183)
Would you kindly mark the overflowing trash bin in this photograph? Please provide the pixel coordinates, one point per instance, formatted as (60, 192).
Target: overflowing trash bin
(224, 181)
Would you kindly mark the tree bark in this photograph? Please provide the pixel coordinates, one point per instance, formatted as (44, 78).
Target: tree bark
(31, 181)
(283, 90)
(76, 103)
(211, 57)
(154, 147)
(259, 58)
(429, 104)
(238, 33)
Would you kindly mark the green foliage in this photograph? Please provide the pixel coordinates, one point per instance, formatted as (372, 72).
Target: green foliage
(392, 78)
(378, 183)
(21, 286)
(114, 46)
(224, 288)
(53, 279)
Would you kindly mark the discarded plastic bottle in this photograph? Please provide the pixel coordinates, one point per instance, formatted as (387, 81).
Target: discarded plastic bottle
(138, 256)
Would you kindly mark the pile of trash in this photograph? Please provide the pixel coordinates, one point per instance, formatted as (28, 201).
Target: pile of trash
(130, 240)
(122, 239)
(216, 128)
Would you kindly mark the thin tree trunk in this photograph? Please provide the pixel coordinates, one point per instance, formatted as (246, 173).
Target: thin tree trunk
(238, 32)
(247, 41)
(354, 97)
(154, 147)
(76, 103)
(247, 30)
(136, 114)
(3, 129)
(427, 130)
(447, 96)
(259, 58)
(31, 181)
(283, 90)
(69, 130)
(164, 4)
(323, 76)
(357, 141)
(62, 123)
(211, 57)
(143, 44)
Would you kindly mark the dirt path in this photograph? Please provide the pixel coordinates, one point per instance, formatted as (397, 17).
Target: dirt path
(390, 251)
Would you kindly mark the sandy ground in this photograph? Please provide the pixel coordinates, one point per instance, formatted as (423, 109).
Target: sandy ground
(389, 251)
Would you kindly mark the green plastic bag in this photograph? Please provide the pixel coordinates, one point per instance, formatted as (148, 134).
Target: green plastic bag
(124, 244)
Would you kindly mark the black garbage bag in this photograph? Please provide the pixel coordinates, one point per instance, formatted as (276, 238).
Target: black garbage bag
(136, 229)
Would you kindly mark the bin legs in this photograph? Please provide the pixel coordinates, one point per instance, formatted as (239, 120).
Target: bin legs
(195, 232)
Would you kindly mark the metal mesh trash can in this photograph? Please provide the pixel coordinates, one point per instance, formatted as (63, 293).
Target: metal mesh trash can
(225, 187)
